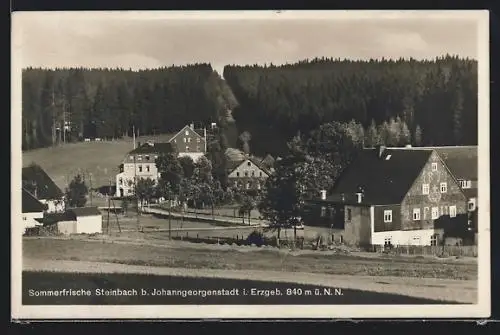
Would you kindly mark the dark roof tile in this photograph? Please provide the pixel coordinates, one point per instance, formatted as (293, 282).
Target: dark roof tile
(84, 211)
(30, 204)
(34, 177)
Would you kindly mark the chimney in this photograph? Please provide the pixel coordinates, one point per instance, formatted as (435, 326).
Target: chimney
(191, 126)
(323, 194)
(381, 149)
(360, 197)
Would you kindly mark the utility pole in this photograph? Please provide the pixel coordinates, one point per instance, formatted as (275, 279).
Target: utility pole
(90, 177)
(53, 119)
(109, 207)
(64, 120)
(135, 193)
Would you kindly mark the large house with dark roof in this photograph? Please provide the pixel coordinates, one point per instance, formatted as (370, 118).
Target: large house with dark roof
(32, 210)
(396, 196)
(140, 162)
(37, 182)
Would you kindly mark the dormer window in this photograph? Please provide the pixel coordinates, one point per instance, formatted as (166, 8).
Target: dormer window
(147, 158)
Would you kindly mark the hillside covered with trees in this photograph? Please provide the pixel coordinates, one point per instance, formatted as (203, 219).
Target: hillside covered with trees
(434, 102)
(106, 103)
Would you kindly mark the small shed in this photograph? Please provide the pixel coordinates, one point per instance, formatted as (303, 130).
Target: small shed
(88, 220)
(82, 220)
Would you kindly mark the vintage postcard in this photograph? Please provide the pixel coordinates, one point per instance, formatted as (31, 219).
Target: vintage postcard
(260, 164)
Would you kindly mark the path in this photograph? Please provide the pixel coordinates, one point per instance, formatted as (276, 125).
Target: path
(463, 291)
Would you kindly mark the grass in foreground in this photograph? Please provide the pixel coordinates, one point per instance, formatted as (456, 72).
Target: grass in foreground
(239, 292)
(196, 258)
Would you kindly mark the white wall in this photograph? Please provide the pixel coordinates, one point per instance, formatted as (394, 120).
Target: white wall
(54, 206)
(66, 227)
(29, 219)
(89, 224)
(406, 237)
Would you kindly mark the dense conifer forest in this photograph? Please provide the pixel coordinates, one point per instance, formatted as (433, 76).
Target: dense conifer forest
(433, 102)
(436, 99)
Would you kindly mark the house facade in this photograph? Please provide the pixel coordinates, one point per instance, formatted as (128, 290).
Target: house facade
(81, 220)
(396, 196)
(37, 182)
(140, 162)
(32, 210)
(248, 174)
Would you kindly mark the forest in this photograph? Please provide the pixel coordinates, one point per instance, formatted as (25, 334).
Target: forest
(433, 102)
(64, 105)
(437, 99)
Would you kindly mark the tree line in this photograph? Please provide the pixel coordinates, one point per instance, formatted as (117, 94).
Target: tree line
(65, 105)
(436, 99)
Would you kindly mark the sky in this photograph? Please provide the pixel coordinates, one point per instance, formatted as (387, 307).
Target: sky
(144, 40)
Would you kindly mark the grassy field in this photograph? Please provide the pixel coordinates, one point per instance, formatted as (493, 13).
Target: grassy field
(157, 289)
(184, 255)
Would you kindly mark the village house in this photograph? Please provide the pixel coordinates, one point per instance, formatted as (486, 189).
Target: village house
(140, 162)
(32, 211)
(37, 182)
(463, 164)
(80, 220)
(248, 174)
(392, 196)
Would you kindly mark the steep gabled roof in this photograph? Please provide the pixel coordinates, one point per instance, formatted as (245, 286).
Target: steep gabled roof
(34, 177)
(385, 180)
(30, 204)
(233, 165)
(462, 161)
(183, 129)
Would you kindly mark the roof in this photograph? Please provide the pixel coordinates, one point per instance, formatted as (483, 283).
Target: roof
(85, 211)
(470, 192)
(151, 148)
(52, 218)
(34, 177)
(232, 165)
(384, 181)
(462, 161)
(30, 204)
(199, 132)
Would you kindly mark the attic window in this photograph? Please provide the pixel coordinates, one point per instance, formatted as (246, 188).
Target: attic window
(187, 132)
(249, 164)
(388, 157)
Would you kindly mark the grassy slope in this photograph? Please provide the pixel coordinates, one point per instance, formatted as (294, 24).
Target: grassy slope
(231, 259)
(62, 163)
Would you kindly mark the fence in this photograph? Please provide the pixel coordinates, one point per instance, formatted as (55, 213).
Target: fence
(444, 251)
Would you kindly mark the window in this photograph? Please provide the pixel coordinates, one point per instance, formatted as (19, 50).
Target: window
(349, 214)
(253, 173)
(247, 186)
(237, 174)
(468, 184)
(416, 240)
(434, 166)
(416, 214)
(175, 140)
(185, 140)
(332, 212)
(258, 186)
(156, 156)
(472, 204)
(187, 148)
(453, 211)
(443, 187)
(198, 140)
(387, 240)
(323, 211)
(120, 181)
(24, 218)
(260, 174)
(341, 240)
(249, 164)
(465, 183)
(246, 173)
(425, 189)
(434, 239)
(139, 158)
(140, 168)
(187, 132)
(147, 168)
(388, 216)
(147, 158)
(435, 213)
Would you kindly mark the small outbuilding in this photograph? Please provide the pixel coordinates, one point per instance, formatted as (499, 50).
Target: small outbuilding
(82, 220)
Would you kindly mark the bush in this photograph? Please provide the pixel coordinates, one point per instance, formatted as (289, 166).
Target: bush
(256, 237)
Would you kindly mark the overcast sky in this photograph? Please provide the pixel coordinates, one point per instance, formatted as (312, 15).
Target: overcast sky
(146, 41)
